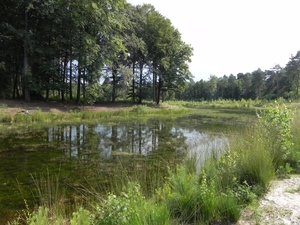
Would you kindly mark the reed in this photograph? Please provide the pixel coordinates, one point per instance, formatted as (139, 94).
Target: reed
(227, 103)
(216, 194)
(38, 117)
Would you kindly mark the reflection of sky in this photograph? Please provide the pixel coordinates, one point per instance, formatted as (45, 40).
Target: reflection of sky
(136, 139)
(202, 145)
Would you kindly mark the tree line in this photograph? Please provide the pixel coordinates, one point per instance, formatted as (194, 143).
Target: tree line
(89, 51)
(274, 83)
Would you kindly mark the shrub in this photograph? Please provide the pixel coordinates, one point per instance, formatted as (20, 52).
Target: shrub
(228, 207)
(39, 217)
(81, 217)
(192, 199)
(182, 196)
(140, 109)
(6, 118)
(130, 208)
(38, 116)
(275, 125)
(294, 157)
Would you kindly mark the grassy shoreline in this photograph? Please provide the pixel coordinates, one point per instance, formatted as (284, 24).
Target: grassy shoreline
(217, 194)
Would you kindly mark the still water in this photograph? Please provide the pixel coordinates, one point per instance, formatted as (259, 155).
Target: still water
(93, 154)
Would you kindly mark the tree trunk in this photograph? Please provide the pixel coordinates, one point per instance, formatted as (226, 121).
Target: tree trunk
(83, 82)
(133, 83)
(78, 85)
(16, 82)
(114, 81)
(47, 89)
(114, 137)
(64, 78)
(141, 83)
(71, 71)
(25, 77)
(154, 83)
(113, 94)
(160, 83)
(70, 80)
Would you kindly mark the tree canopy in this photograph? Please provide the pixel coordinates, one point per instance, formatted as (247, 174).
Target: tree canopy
(92, 49)
(96, 50)
(276, 82)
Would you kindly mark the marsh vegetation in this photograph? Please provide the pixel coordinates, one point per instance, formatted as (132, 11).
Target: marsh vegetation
(78, 171)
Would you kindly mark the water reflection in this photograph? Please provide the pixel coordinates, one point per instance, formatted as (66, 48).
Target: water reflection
(204, 145)
(104, 140)
(93, 151)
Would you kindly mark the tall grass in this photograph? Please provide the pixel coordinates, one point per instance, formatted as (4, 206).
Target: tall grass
(227, 103)
(48, 200)
(130, 208)
(149, 172)
(294, 156)
(239, 176)
(47, 191)
(217, 194)
(37, 116)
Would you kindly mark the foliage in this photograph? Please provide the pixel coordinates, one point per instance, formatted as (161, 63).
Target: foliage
(227, 104)
(67, 47)
(294, 156)
(193, 199)
(274, 83)
(130, 208)
(217, 194)
(91, 94)
(121, 209)
(39, 217)
(140, 109)
(81, 217)
(3, 106)
(37, 117)
(243, 172)
(276, 123)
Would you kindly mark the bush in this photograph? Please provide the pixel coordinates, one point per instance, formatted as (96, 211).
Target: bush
(81, 217)
(192, 199)
(6, 118)
(130, 208)
(276, 130)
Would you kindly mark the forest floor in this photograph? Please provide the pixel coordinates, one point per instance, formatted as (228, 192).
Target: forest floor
(281, 205)
(15, 106)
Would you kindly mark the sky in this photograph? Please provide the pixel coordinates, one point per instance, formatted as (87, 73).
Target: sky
(234, 36)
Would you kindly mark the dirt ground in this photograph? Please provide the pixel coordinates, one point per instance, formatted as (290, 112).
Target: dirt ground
(281, 205)
(15, 106)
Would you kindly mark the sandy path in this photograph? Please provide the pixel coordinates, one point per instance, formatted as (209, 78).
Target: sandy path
(281, 205)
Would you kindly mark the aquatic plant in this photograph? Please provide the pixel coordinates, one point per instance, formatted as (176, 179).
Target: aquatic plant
(217, 194)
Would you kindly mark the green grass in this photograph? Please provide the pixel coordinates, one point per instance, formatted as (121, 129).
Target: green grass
(237, 178)
(216, 194)
(227, 104)
(294, 157)
(38, 116)
(165, 109)
(3, 106)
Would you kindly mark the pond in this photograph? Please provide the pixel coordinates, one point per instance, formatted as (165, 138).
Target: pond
(100, 157)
